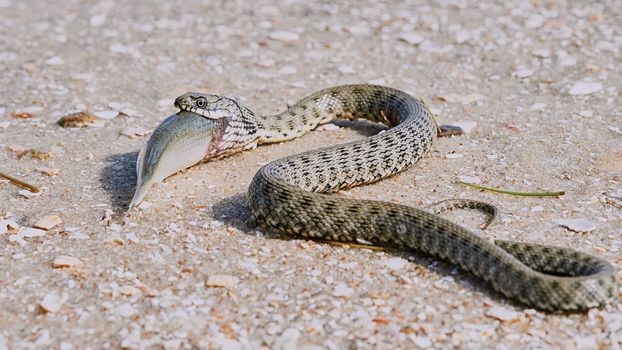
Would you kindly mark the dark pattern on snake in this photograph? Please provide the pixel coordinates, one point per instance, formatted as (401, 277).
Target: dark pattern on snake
(284, 195)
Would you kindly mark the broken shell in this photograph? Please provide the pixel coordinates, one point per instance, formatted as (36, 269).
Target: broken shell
(48, 222)
(62, 261)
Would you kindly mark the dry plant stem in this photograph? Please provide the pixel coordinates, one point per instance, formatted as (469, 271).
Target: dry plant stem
(515, 193)
(20, 183)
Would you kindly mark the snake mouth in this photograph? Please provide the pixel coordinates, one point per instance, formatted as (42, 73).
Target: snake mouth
(210, 114)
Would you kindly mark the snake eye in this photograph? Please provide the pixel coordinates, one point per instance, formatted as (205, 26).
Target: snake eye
(201, 102)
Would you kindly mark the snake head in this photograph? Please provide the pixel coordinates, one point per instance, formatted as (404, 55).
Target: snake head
(208, 105)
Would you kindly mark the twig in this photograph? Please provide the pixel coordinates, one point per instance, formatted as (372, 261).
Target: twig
(515, 193)
(20, 183)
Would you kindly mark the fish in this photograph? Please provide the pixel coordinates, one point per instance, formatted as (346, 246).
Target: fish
(179, 142)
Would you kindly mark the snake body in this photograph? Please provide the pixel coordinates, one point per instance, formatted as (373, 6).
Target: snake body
(289, 194)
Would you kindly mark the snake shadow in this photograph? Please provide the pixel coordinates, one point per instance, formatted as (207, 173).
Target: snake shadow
(118, 179)
(234, 211)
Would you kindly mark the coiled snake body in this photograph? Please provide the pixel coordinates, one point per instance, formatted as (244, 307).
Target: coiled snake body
(284, 194)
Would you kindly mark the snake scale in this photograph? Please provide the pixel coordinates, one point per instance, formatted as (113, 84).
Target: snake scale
(290, 194)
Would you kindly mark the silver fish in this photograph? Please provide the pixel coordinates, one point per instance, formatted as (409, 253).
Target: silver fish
(180, 141)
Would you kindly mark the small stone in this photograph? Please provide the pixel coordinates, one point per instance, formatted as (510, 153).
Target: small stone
(52, 302)
(284, 36)
(221, 281)
(538, 106)
(577, 225)
(30, 232)
(266, 62)
(125, 310)
(134, 132)
(587, 113)
(413, 38)
(97, 20)
(345, 69)
(395, 263)
(537, 209)
(54, 61)
(421, 341)
(287, 70)
(5, 125)
(342, 290)
(535, 21)
(462, 36)
(110, 114)
(470, 179)
(502, 314)
(585, 88)
(523, 73)
(63, 261)
(586, 342)
(454, 155)
(288, 340)
(49, 221)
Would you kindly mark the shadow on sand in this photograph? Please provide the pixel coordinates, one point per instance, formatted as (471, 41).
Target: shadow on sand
(119, 178)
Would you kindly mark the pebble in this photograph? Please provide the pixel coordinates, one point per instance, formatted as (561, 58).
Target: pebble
(534, 21)
(342, 290)
(97, 20)
(586, 342)
(542, 53)
(395, 263)
(63, 261)
(54, 61)
(129, 290)
(502, 314)
(413, 38)
(345, 69)
(470, 179)
(577, 225)
(125, 310)
(5, 125)
(48, 222)
(221, 281)
(287, 70)
(523, 73)
(585, 88)
(288, 340)
(52, 302)
(538, 106)
(454, 155)
(421, 341)
(110, 114)
(31, 232)
(284, 36)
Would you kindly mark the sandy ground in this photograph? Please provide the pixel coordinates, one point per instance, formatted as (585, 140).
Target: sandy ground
(537, 83)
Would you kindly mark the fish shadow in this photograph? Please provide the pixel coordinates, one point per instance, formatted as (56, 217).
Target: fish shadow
(234, 211)
(118, 179)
